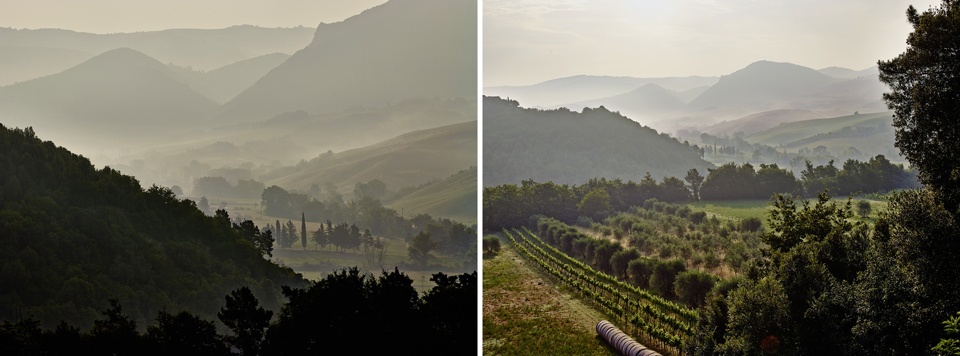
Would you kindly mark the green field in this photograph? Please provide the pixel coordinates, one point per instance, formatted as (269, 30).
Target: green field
(735, 210)
(453, 198)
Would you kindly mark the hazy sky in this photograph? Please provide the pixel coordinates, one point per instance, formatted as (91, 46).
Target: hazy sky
(111, 16)
(529, 41)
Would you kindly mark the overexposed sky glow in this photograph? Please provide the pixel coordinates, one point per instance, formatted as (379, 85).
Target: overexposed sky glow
(529, 41)
(113, 16)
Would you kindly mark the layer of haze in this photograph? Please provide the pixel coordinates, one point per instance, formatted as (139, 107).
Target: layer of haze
(112, 16)
(530, 41)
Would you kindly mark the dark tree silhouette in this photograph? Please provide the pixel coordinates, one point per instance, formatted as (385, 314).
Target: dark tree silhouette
(116, 334)
(183, 334)
(247, 319)
(303, 230)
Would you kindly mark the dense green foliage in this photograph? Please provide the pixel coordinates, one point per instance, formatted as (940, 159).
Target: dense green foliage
(74, 236)
(731, 181)
(855, 177)
(826, 285)
(510, 205)
(924, 94)
(950, 346)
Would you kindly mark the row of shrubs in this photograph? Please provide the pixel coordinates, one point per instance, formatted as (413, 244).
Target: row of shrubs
(668, 278)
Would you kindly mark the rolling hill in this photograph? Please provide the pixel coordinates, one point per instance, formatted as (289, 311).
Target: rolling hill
(567, 147)
(789, 132)
(120, 96)
(392, 52)
(869, 134)
(76, 236)
(754, 123)
(453, 198)
(410, 159)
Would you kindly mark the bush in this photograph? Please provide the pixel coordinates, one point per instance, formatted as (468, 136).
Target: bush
(751, 224)
(691, 287)
(491, 244)
(697, 217)
(864, 208)
(585, 222)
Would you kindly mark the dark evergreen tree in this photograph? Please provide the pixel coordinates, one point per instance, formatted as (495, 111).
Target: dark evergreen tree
(303, 230)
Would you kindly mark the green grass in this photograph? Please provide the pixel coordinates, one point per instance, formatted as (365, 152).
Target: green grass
(735, 210)
(525, 315)
(453, 198)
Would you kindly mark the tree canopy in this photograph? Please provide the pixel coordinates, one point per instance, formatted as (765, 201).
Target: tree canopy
(924, 94)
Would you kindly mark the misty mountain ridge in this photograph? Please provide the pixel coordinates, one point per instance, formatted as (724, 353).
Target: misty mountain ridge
(760, 83)
(157, 120)
(759, 87)
(395, 51)
(579, 88)
(644, 103)
(847, 73)
(225, 83)
(121, 95)
(288, 138)
(200, 49)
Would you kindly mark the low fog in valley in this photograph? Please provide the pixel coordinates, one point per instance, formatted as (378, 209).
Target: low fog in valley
(265, 186)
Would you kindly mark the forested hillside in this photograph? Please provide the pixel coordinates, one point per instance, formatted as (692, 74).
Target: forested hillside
(74, 236)
(567, 147)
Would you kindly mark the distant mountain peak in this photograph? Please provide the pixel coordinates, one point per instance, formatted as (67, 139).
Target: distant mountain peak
(122, 56)
(762, 82)
(395, 51)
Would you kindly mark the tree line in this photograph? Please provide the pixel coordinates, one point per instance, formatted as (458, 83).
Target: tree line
(346, 310)
(511, 205)
(361, 222)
